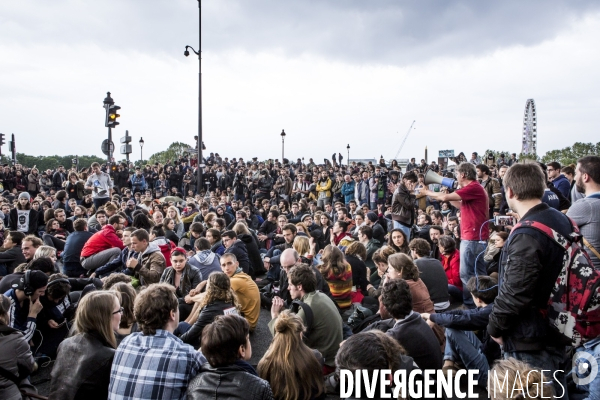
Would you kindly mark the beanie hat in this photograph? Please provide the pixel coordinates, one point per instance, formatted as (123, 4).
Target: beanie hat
(24, 195)
(372, 216)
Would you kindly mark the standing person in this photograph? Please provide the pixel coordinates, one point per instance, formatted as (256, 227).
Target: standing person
(324, 189)
(492, 188)
(154, 363)
(586, 212)
(347, 190)
(529, 268)
(473, 202)
(23, 218)
(403, 201)
(58, 178)
(93, 347)
(558, 180)
(293, 369)
(100, 184)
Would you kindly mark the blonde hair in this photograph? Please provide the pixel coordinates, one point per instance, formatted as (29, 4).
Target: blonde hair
(304, 229)
(523, 381)
(240, 228)
(289, 365)
(301, 245)
(177, 218)
(44, 251)
(94, 315)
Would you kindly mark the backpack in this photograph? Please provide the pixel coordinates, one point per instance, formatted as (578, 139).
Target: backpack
(574, 303)
(308, 314)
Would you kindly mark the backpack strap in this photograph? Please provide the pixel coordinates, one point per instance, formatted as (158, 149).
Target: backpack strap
(559, 239)
(308, 314)
(592, 248)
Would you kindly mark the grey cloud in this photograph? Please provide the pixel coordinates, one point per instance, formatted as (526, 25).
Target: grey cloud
(384, 31)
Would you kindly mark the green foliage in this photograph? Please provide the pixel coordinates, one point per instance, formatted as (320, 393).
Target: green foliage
(173, 152)
(533, 157)
(570, 155)
(50, 162)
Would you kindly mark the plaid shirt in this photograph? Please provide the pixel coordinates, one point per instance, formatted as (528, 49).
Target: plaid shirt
(153, 367)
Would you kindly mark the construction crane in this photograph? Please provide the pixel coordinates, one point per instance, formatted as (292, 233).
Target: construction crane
(404, 141)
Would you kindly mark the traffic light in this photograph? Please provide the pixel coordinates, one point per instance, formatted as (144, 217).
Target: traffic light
(2, 142)
(112, 115)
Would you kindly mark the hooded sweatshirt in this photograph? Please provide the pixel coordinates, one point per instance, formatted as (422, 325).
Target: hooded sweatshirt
(207, 262)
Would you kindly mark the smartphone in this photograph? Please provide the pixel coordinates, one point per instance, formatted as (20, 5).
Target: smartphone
(503, 220)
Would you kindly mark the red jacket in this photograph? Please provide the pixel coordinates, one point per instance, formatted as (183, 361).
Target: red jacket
(105, 239)
(451, 265)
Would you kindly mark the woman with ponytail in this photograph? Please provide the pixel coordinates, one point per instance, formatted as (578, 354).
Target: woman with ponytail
(293, 370)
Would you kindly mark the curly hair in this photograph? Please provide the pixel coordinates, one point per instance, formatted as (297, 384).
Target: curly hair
(358, 250)
(218, 287)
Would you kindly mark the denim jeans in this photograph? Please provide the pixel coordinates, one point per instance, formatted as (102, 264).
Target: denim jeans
(471, 251)
(455, 293)
(405, 229)
(99, 202)
(588, 355)
(182, 328)
(551, 359)
(464, 346)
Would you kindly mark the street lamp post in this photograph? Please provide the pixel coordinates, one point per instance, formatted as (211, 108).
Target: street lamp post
(282, 145)
(348, 148)
(198, 53)
(141, 150)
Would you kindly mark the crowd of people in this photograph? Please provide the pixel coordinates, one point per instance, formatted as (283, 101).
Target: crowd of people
(140, 283)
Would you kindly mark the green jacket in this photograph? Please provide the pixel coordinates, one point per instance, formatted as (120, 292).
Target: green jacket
(326, 334)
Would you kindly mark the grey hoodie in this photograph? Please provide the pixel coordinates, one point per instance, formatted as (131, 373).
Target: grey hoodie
(206, 261)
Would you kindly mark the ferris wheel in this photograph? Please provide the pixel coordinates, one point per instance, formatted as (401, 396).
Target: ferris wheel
(529, 145)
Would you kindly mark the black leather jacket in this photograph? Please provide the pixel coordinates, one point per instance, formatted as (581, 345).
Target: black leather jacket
(82, 369)
(231, 382)
(206, 316)
(529, 266)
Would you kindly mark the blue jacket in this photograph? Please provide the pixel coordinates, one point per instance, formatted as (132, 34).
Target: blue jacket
(348, 191)
(363, 192)
(563, 185)
(138, 182)
(207, 262)
(72, 253)
(117, 264)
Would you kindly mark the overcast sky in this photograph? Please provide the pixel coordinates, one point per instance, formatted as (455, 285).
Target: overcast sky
(330, 73)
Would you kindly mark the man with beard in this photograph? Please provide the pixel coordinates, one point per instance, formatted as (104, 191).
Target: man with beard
(586, 212)
(434, 234)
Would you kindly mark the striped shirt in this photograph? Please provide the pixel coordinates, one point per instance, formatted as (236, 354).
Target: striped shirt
(18, 316)
(153, 367)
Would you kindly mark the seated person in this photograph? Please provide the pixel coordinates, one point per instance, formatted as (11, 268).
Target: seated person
(462, 344)
(144, 359)
(356, 354)
(55, 236)
(450, 257)
(325, 334)
(205, 260)
(25, 302)
(431, 272)
(104, 245)
(518, 375)
(409, 329)
(57, 311)
(244, 288)
(71, 256)
(118, 264)
(44, 264)
(93, 346)
(219, 299)
(236, 247)
(298, 377)
(128, 324)
(15, 357)
(12, 256)
(149, 264)
(226, 345)
(183, 277)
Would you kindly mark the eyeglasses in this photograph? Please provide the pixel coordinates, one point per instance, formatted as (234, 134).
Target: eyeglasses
(119, 311)
(551, 170)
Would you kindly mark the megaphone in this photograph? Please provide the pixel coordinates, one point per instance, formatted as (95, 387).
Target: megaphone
(432, 177)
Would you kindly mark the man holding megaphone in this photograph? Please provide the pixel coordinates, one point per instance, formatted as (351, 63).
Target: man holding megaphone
(403, 203)
(473, 202)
